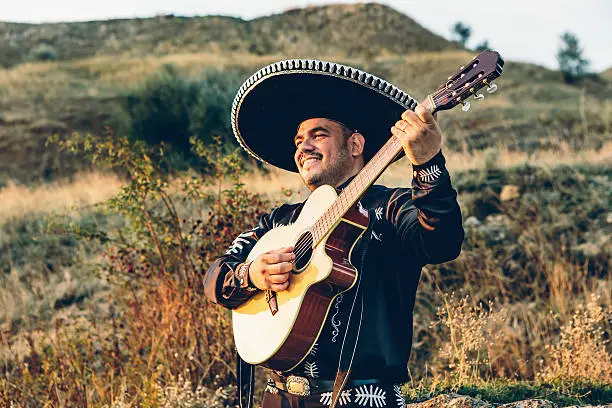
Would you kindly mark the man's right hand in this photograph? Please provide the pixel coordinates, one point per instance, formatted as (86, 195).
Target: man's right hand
(272, 270)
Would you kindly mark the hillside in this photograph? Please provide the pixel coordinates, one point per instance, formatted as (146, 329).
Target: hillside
(360, 30)
(100, 64)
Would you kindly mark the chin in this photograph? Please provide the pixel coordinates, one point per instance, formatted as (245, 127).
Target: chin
(312, 180)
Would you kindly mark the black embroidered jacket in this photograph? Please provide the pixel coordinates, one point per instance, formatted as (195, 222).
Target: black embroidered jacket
(408, 229)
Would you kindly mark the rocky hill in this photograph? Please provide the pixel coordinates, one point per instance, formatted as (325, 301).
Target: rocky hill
(359, 30)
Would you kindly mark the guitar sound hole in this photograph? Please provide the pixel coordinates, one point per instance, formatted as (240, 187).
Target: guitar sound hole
(303, 251)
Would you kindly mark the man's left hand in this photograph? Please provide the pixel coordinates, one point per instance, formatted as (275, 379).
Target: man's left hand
(420, 135)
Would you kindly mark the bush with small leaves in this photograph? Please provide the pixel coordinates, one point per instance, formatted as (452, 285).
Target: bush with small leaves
(170, 108)
(43, 52)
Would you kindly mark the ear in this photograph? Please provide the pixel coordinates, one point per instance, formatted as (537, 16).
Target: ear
(356, 143)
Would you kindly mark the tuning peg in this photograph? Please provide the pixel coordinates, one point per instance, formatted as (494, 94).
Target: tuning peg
(466, 106)
(478, 96)
(491, 88)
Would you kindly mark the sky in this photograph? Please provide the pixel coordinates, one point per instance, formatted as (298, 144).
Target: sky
(521, 30)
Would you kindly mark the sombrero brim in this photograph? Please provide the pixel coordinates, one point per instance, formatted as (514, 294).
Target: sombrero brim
(272, 103)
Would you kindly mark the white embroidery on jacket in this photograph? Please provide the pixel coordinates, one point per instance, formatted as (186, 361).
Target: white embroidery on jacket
(399, 397)
(344, 399)
(241, 239)
(430, 174)
(336, 323)
(314, 349)
(311, 369)
(372, 396)
(378, 213)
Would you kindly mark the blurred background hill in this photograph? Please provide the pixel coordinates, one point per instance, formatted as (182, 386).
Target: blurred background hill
(360, 30)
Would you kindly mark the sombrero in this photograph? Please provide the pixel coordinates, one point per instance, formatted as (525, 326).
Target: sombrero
(271, 104)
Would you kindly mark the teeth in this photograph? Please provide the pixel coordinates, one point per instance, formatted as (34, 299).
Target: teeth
(308, 159)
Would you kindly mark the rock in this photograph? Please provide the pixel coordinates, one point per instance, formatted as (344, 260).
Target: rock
(591, 406)
(464, 401)
(451, 401)
(509, 192)
(472, 222)
(532, 403)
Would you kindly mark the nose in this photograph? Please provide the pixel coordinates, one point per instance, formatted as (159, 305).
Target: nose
(305, 146)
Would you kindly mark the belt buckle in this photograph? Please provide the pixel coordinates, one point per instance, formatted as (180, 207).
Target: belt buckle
(297, 385)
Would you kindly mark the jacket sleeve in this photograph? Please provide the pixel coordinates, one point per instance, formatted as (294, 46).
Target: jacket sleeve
(222, 284)
(427, 218)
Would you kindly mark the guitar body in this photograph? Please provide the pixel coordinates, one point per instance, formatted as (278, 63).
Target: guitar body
(281, 341)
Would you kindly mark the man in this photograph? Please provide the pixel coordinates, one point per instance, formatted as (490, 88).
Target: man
(343, 116)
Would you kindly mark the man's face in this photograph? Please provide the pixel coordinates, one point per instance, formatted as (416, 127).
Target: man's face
(322, 154)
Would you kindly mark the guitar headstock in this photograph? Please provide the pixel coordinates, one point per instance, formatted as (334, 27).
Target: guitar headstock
(480, 72)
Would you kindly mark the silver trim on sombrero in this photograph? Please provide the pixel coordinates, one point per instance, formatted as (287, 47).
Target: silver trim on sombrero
(317, 67)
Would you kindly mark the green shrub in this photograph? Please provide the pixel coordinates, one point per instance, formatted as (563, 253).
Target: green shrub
(43, 52)
(572, 64)
(170, 108)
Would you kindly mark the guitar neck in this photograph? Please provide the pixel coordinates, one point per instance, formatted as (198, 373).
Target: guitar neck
(362, 181)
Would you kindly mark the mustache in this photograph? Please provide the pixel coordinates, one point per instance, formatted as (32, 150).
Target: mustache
(313, 155)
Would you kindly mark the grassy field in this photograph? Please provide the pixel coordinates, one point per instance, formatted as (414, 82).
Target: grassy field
(100, 282)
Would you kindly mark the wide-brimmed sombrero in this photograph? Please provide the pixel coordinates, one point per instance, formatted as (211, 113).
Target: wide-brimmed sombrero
(271, 104)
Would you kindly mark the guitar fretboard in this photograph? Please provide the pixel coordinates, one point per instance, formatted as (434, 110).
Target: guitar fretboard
(357, 187)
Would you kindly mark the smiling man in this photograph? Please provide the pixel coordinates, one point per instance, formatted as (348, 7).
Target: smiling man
(343, 116)
(327, 152)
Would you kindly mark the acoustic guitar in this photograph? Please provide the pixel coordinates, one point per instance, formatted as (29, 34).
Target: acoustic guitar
(278, 330)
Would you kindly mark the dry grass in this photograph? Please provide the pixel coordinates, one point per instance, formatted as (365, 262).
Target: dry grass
(286, 186)
(86, 189)
(581, 352)
(131, 70)
(277, 185)
(92, 76)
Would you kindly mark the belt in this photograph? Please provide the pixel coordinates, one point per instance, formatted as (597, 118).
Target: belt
(297, 385)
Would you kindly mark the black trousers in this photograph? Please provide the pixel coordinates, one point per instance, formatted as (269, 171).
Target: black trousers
(364, 396)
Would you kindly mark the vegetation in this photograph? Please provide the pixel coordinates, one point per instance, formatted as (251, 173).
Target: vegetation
(572, 64)
(480, 327)
(101, 268)
(43, 52)
(171, 108)
(461, 32)
(483, 45)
